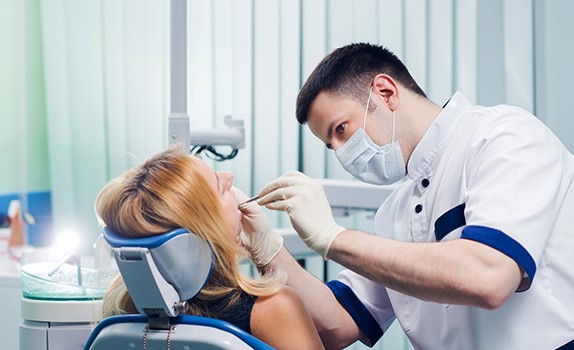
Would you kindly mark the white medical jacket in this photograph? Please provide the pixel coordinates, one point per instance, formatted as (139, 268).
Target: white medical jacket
(498, 176)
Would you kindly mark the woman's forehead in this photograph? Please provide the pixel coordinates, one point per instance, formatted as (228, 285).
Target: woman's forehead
(206, 170)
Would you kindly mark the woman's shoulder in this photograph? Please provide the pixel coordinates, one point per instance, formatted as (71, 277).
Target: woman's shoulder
(277, 318)
(286, 297)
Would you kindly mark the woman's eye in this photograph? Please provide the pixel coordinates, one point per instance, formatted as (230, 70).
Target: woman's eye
(340, 129)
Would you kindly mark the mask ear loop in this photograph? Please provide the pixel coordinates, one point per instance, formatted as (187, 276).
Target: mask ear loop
(393, 138)
(367, 107)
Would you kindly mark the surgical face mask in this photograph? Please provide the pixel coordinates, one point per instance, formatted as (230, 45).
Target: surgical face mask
(369, 162)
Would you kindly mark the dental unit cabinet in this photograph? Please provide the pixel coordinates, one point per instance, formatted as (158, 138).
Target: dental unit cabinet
(61, 298)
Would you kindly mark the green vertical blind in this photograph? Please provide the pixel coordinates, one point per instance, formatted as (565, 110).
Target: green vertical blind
(23, 140)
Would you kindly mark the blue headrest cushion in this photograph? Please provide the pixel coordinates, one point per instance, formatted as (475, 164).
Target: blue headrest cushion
(116, 240)
(183, 259)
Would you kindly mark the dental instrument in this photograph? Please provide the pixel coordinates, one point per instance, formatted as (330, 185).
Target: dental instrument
(250, 200)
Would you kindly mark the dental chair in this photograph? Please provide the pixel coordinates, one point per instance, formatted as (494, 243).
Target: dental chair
(161, 273)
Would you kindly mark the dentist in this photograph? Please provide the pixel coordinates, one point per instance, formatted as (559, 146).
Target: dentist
(475, 247)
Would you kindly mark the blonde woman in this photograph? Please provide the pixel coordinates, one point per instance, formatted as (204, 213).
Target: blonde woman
(173, 190)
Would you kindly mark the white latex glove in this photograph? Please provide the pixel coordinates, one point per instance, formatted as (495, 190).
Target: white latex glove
(258, 236)
(305, 201)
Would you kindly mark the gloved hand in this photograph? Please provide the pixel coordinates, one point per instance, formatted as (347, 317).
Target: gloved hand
(258, 236)
(305, 201)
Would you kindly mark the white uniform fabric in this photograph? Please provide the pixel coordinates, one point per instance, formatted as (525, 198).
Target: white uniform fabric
(499, 176)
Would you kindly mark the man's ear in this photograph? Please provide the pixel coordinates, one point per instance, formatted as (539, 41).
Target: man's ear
(387, 88)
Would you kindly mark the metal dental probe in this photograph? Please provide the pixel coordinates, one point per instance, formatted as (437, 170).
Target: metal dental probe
(250, 200)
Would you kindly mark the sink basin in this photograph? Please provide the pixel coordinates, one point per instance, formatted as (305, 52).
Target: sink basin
(65, 283)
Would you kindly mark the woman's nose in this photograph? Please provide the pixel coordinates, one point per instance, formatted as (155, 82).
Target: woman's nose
(227, 179)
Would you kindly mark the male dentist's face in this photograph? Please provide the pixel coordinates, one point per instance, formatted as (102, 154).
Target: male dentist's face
(334, 118)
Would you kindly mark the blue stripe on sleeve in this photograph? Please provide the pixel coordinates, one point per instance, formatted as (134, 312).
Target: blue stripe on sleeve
(449, 221)
(505, 244)
(567, 346)
(362, 317)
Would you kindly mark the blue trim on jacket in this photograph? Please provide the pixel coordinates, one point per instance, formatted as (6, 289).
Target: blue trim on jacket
(504, 243)
(567, 346)
(449, 221)
(360, 314)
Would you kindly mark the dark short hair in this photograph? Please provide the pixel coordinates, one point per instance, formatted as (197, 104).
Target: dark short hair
(348, 71)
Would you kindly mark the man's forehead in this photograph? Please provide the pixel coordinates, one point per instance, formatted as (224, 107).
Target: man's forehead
(327, 110)
(319, 114)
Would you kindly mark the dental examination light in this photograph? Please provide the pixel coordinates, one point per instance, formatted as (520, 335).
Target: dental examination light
(178, 126)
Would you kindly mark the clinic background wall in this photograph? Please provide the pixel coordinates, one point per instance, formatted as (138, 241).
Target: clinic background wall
(106, 76)
(23, 141)
(84, 85)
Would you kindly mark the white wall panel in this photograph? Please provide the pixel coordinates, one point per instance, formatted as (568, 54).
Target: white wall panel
(115, 80)
(222, 59)
(11, 52)
(365, 21)
(22, 109)
(222, 16)
(465, 48)
(540, 67)
(104, 81)
(145, 79)
(415, 32)
(340, 23)
(54, 27)
(555, 72)
(75, 111)
(200, 64)
(242, 82)
(391, 25)
(289, 84)
(440, 51)
(313, 50)
(266, 83)
(519, 53)
(86, 109)
(491, 85)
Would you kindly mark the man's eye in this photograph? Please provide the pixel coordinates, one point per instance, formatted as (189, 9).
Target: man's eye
(340, 129)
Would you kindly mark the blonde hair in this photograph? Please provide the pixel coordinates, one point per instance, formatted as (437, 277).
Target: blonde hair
(168, 191)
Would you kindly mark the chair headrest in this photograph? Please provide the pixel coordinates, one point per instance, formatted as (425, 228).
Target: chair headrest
(163, 270)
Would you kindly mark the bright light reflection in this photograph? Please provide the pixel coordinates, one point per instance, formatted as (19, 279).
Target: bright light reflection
(66, 240)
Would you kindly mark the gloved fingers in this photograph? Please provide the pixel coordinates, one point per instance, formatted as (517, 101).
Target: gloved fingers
(240, 197)
(251, 208)
(284, 205)
(255, 220)
(289, 179)
(245, 239)
(279, 195)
